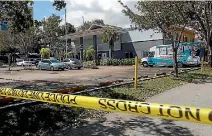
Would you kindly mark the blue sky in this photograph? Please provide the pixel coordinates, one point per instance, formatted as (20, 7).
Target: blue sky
(43, 9)
(108, 10)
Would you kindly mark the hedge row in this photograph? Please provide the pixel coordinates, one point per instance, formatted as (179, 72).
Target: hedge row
(110, 62)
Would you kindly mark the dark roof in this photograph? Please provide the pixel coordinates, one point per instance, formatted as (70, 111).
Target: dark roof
(93, 30)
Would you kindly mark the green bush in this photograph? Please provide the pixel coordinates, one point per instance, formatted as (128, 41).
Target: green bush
(45, 53)
(90, 53)
(113, 62)
(103, 62)
(90, 64)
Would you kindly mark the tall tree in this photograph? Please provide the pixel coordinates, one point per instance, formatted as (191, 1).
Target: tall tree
(69, 27)
(51, 32)
(87, 24)
(37, 36)
(6, 41)
(199, 13)
(110, 36)
(59, 4)
(18, 14)
(90, 53)
(51, 28)
(162, 16)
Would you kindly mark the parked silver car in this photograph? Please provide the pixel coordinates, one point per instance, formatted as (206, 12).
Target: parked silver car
(51, 64)
(24, 63)
(71, 63)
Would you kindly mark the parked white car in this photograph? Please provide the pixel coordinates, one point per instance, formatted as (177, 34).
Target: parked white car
(24, 63)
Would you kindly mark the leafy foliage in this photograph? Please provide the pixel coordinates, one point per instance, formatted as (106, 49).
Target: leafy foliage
(59, 4)
(90, 52)
(45, 53)
(5, 40)
(25, 41)
(110, 36)
(38, 120)
(50, 29)
(113, 62)
(18, 14)
(69, 28)
(90, 64)
(70, 54)
(159, 15)
(164, 16)
(87, 24)
(199, 13)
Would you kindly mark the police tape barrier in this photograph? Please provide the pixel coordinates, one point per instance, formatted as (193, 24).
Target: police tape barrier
(172, 112)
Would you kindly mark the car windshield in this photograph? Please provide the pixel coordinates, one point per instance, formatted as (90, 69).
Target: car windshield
(19, 60)
(55, 61)
(76, 60)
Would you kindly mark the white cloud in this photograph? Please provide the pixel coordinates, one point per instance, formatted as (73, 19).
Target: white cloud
(108, 10)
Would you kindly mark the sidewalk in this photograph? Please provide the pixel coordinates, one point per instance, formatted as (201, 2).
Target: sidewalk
(118, 124)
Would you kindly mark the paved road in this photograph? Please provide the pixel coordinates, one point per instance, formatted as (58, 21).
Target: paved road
(82, 77)
(117, 124)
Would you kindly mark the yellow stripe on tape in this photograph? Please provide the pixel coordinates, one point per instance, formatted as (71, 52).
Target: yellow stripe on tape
(173, 112)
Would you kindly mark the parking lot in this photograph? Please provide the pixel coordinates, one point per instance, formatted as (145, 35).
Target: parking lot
(78, 77)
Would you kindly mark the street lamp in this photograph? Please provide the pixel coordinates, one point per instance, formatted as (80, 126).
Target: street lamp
(66, 35)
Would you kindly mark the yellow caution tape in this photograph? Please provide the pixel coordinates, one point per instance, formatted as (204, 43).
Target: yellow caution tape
(172, 112)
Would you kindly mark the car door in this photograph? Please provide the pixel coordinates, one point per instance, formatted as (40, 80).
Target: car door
(48, 64)
(44, 64)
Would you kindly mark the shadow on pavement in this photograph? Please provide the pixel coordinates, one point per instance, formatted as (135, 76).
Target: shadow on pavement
(138, 126)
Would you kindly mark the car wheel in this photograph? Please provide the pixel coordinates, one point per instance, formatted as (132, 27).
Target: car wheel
(145, 64)
(69, 67)
(52, 68)
(79, 68)
(180, 64)
(63, 69)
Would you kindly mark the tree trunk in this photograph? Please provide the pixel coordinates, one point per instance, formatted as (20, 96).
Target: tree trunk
(210, 57)
(9, 61)
(175, 66)
(209, 53)
(112, 54)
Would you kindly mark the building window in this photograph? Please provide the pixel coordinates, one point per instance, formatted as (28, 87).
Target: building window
(129, 55)
(126, 55)
(163, 51)
(99, 56)
(104, 55)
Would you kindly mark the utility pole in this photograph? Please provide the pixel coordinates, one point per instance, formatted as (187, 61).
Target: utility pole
(66, 35)
(83, 21)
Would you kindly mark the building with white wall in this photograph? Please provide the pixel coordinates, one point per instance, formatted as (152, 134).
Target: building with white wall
(131, 42)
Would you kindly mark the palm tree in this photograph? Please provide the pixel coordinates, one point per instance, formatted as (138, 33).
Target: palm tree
(110, 36)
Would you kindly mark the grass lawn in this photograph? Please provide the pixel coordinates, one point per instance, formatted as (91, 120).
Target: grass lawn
(155, 86)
